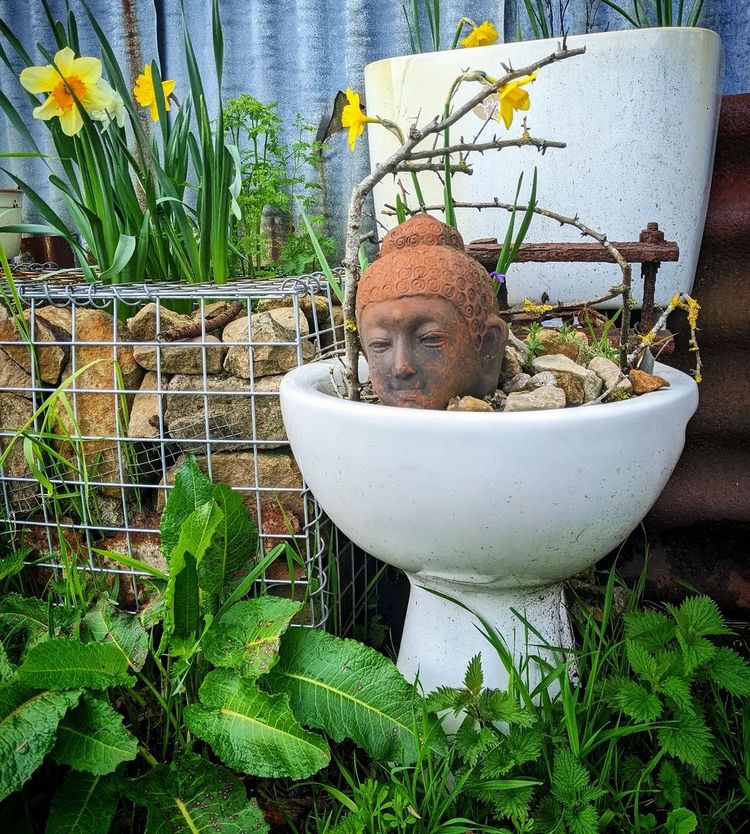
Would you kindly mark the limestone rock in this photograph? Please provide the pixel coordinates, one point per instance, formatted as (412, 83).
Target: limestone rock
(145, 407)
(273, 326)
(277, 472)
(644, 383)
(553, 342)
(543, 378)
(580, 384)
(517, 383)
(468, 404)
(50, 360)
(184, 357)
(230, 413)
(98, 415)
(15, 411)
(317, 313)
(142, 325)
(540, 399)
(610, 374)
(512, 363)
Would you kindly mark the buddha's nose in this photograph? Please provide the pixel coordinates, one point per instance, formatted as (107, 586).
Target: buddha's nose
(403, 364)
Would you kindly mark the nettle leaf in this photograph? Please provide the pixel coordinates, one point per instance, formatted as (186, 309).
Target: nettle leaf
(730, 671)
(670, 784)
(194, 796)
(247, 637)
(633, 699)
(681, 821)
(649, 628)
(234, 546)
(688, 739)
(83, 804)
(66, 663)
(569, 777)
(521, 745)
(695, 650)
(92, 738)
(496, 705)
(122, 630)
(583, 820)
(471, 744)
(641, 661)
(191, 490)
(444, 697)
(252, 731)
(678, 691)
(28, 722)
(474, 677)
(699, 616)
(348, 690)
(13, 564)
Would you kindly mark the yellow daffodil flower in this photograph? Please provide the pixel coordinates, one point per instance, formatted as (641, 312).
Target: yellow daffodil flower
(512, 97)
(353, 117)
(68, 79)
(145, 94)
(482, 35)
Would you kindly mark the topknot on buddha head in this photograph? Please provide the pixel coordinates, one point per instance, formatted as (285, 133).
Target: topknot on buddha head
(423, 256)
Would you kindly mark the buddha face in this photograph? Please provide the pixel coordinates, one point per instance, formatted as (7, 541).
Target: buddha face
(421, 353)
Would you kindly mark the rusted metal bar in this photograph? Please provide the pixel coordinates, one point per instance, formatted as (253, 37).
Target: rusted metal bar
(486, 252)
(651, 235)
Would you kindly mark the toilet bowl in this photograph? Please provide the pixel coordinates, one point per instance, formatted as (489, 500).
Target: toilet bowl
(493, 511)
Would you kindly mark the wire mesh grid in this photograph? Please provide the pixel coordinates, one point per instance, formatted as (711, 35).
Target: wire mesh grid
(104, 392)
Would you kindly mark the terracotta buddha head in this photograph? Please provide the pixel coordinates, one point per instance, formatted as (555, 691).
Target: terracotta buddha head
(428, 318)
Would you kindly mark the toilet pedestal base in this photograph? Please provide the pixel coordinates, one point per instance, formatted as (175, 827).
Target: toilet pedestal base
(440, 637)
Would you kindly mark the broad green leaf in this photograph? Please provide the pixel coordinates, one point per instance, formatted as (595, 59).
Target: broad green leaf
(26, 614)
(7, 669)
(28, 722)
(121, 630)
(699, 616)
(681, 821)
(730, 671)
(689, 740)
(195, 797)
(92, 738)
(191, 489)
(670, 784)
(252, 731)
(234, 545)
(63, 663)
(348, 690)
(247, 637)
(123, 254)
(83, 804)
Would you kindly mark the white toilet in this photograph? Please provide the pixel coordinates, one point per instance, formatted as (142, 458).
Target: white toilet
(491, 510)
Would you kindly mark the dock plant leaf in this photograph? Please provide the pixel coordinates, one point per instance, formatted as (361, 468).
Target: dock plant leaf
(247, 637)
(92, 738)
(121, 630)
(194, 796)
(65, 663)
(349, 690)
(191, 489)
(84, 804)
(252, 731)
(28, 723)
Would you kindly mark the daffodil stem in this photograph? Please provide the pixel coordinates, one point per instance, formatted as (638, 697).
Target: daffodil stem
(464, 21)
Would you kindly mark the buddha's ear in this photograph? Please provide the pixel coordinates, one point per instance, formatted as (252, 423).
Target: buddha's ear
(493, 351)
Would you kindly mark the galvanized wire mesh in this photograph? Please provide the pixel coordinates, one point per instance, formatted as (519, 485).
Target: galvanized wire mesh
(102, 409)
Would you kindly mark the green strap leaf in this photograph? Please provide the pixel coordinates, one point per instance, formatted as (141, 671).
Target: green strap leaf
(63, 663)
(194, 796)
(247, 637)
(92, 738)
(28, 722)
(252, 731)
(84, 804)
(349, 691)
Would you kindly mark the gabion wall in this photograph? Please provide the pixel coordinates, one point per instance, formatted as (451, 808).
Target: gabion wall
(112, 387)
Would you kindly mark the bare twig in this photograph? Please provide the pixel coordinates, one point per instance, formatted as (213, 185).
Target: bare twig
(494, 144)
(389, 166)
(408, 168)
